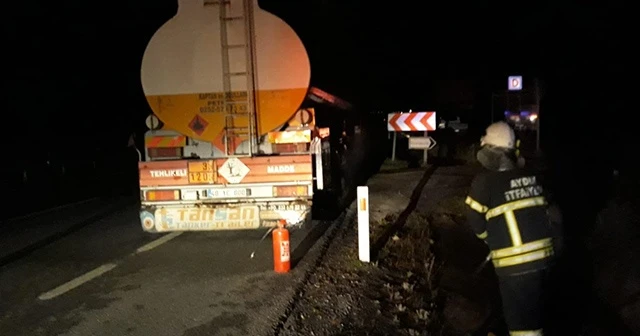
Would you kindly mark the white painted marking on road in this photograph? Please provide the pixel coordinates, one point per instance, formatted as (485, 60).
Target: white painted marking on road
(102, 269)
(158, 242)
(77, 282)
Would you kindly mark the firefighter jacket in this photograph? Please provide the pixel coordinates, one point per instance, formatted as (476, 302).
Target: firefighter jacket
(508, 210)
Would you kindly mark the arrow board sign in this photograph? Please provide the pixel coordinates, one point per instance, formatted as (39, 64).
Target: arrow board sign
(420, 143)
(408, 122)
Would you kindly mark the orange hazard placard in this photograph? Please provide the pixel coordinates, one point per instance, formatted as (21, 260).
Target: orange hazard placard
(198, 124)
(202, 172)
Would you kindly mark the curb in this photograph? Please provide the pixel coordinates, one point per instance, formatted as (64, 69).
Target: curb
(318, 253)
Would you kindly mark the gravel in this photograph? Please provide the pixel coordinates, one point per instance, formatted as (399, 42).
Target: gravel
(394, 295)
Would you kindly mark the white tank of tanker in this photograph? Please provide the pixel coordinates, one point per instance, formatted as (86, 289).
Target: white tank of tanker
(182, 69)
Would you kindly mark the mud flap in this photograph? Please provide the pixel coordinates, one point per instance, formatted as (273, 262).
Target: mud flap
(326, 201)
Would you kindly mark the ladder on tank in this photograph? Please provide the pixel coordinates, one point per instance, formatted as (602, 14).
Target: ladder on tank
(236, 17)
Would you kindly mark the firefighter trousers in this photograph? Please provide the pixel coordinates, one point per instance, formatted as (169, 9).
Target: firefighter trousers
(523, 301)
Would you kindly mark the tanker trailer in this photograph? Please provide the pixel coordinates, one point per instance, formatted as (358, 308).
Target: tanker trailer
(229, 146)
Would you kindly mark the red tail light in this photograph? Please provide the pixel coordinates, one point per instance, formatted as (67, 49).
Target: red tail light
(290, 191)
(155, 153)
(290, 148)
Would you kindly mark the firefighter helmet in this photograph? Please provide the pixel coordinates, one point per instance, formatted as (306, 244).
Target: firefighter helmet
(499, 134)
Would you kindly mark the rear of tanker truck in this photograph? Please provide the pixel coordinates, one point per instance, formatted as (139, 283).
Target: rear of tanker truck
(229, 146)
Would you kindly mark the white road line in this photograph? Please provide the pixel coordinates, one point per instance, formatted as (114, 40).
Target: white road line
(102, 269)
(77, 282)
(158, 242)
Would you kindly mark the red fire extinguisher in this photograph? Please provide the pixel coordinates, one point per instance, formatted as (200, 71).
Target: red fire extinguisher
(281, 253)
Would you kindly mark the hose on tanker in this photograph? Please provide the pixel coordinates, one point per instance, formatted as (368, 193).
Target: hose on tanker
(291, 226)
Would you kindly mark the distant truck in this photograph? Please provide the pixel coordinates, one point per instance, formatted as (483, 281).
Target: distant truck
(456, 125)
(229, 145)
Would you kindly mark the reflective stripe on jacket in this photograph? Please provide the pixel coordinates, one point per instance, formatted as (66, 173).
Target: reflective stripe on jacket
(508, 210)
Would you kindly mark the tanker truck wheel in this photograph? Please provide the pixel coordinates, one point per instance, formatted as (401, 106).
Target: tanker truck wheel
(326, 205)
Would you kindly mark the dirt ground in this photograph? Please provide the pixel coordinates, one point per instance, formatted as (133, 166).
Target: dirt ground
(416, 286)
(394, 296)
(427, 279)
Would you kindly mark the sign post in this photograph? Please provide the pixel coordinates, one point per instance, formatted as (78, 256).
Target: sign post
(537, 92)
(410, 122)
(393, 150)
(425, 143)
(424, 153)
(491, 113)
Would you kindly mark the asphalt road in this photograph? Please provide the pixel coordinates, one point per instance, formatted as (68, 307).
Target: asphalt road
(111, 278)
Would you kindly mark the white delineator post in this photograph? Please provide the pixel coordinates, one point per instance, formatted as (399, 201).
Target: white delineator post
(363, 224)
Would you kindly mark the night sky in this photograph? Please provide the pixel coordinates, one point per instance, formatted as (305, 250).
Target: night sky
(73, 83)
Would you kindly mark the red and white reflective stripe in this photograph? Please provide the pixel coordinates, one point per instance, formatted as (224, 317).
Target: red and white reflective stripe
(166, 141)
(414, 121)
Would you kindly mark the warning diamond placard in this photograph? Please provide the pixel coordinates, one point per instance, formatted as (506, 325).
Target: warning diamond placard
(233, 170)
(198, 125)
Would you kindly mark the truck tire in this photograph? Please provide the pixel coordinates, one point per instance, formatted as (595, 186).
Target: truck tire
(325, 205)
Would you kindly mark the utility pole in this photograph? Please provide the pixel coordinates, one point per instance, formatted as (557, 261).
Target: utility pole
(537, 96)
(492, 95)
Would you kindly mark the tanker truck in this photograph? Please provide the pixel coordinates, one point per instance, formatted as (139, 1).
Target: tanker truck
(231, 144)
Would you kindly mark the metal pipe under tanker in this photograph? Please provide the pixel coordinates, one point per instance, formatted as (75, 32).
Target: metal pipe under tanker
(228, 146)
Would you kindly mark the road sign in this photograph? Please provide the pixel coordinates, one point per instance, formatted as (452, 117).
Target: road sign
(414, 121)
(515, 83)
(421, 142)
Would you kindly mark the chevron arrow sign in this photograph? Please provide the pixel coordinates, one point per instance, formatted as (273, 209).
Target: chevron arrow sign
(414, 121)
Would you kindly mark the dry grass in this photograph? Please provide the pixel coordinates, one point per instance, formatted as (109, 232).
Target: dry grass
(393, 296)
(452, 205)
(393, 165)
(409, 266)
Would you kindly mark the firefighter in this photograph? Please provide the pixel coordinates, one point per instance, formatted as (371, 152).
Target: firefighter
(508, 211)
